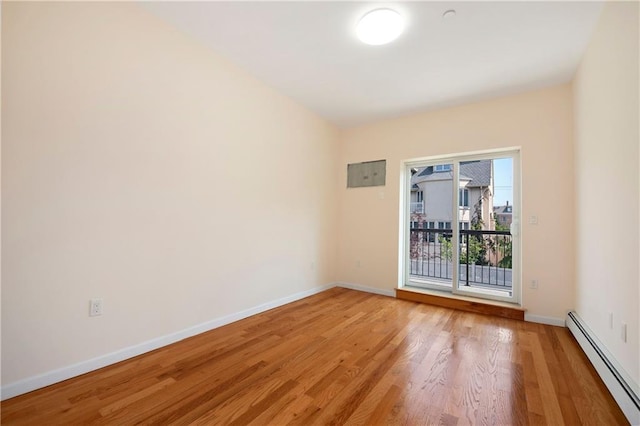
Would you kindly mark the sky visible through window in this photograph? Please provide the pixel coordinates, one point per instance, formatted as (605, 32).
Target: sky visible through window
(503, 181)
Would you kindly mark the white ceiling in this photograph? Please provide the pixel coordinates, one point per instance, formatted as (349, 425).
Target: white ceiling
(308, 50)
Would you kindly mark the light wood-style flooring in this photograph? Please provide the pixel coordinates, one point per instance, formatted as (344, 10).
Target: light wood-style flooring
(341, 357)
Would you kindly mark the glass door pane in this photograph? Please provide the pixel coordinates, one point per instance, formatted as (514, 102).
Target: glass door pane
(485, 214)
(430, 231)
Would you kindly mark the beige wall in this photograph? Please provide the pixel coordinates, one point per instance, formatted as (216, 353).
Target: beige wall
(540, 122)
(607, 201)
(140, 168)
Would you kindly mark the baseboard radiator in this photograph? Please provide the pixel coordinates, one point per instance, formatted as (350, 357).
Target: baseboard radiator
(624, 391)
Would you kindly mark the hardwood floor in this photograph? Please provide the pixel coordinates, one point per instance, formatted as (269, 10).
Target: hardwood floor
(341, 357)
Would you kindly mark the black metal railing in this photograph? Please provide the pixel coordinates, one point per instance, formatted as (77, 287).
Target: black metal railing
(485, 257)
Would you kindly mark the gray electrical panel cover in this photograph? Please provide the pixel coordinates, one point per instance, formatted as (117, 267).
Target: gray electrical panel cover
(369, 173)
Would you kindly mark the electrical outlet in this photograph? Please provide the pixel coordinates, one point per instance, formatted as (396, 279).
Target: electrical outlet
(533, 220)
(533, 284)
(95, 307)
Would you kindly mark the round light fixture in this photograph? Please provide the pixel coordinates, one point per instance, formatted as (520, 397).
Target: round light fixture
(380, 26)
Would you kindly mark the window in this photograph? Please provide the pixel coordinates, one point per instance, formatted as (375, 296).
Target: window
(442, 168)
(464, 197)
(419, 196)
(414, 225)
(464, 225)
(431, 236)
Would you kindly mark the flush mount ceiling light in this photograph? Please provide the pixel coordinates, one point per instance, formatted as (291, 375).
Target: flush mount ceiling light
(380, 26)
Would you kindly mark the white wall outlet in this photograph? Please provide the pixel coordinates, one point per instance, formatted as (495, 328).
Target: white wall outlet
(95, 307)
(533, 284)
(623, 332)
(533, 220)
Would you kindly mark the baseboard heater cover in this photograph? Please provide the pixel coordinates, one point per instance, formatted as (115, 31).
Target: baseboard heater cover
(623, 392)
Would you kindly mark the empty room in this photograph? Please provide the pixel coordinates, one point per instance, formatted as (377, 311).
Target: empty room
(277, 213)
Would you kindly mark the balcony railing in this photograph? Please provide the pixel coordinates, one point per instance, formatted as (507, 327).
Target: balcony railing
(417, 207)
(484, 257)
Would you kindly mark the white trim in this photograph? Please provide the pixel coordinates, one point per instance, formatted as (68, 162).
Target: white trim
(628, 407)
(367, 289)
(36, 382)
(485, 154)
(403, 225)
(544, 320)
(455, 238)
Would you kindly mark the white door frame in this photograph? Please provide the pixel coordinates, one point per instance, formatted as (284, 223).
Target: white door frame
(405, 215)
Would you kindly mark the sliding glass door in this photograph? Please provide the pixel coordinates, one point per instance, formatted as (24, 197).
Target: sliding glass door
(461, 225)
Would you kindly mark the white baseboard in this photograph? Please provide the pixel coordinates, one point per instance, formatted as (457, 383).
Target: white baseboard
(359, 287)
(64, 373)
(623, 389)
(544, 320)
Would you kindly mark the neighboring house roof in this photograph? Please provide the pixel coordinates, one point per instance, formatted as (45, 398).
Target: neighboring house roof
(428, 174)
(478, 173)
(503, 209)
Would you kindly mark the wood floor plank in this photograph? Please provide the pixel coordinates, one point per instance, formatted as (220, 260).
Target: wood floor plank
(384, 407)
(551, 406)
(292, 410)
(341, 357)
(364, 388)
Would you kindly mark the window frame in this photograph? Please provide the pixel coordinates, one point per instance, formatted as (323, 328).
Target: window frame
(455, 160)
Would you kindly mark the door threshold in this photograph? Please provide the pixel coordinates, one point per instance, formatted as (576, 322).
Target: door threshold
(461, 303)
